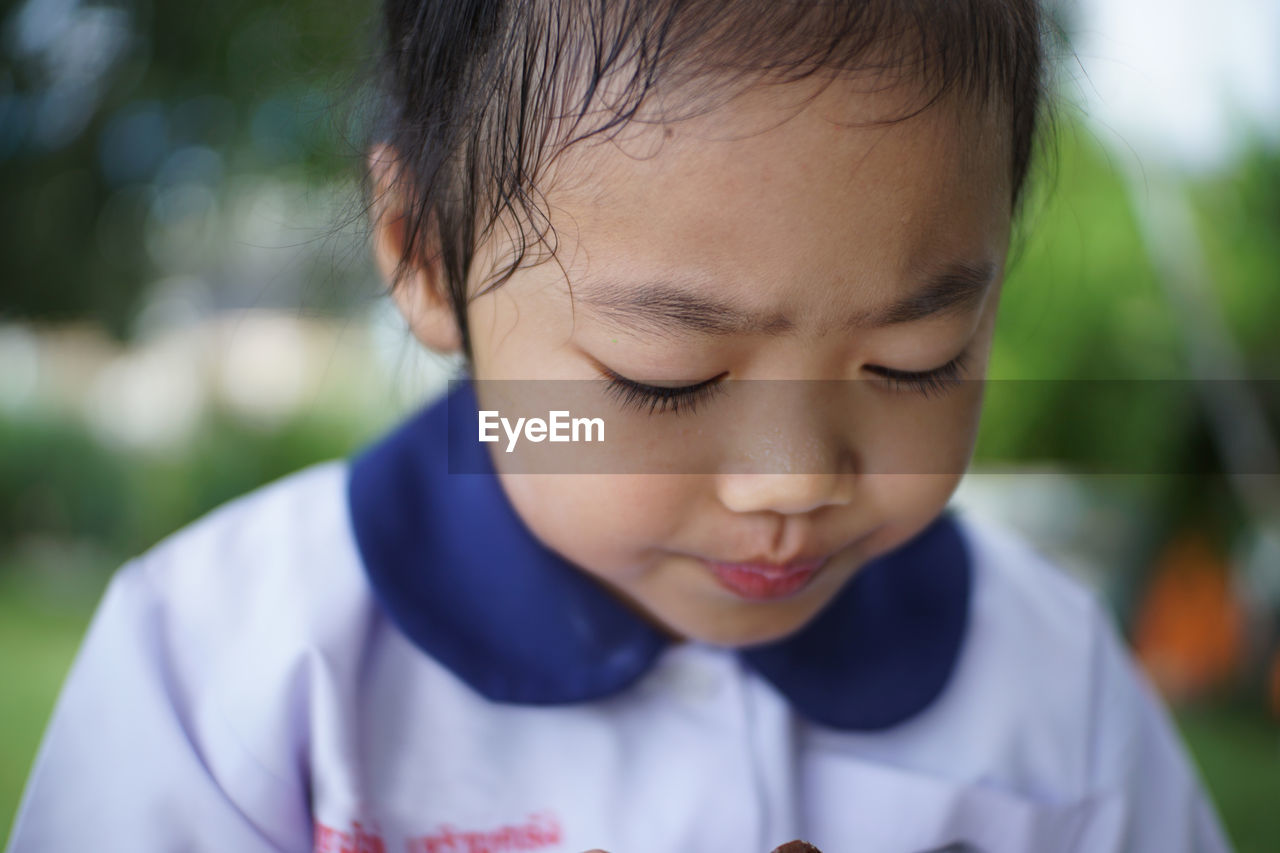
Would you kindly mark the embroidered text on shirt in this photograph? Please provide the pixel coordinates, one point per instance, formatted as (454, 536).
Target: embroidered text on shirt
(540, 830)
(329, 839)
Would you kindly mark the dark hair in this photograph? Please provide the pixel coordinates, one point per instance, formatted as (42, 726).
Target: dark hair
(479, 96)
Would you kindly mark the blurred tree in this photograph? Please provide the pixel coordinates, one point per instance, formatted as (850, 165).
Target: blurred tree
(106, 105)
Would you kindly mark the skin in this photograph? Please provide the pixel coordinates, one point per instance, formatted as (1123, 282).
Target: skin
(788, 203)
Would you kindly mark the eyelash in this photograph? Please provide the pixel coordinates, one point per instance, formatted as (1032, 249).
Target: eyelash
(938, 381)
(657, 398)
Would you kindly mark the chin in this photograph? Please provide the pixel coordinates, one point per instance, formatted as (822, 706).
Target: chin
(743, 638)
(767, 624)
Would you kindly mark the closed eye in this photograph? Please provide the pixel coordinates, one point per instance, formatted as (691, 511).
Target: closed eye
(661, 398)
(937, 381)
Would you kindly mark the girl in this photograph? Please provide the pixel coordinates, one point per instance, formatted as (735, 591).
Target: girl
(744, 615)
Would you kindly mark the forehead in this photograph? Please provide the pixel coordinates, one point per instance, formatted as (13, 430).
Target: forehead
(802, 197)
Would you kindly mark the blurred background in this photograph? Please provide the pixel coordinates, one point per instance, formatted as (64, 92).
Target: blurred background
(188, 310)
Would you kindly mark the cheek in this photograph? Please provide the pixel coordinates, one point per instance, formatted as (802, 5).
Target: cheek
(915, 462)
(608, 524)
(913, 498)
(907, 503)
(920, 436)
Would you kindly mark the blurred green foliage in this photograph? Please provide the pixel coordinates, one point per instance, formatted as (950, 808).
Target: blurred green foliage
(1093, 357)
(1239, 223)
(104, 106)
(59, 483)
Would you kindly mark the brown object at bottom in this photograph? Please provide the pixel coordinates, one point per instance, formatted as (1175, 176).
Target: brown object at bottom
(796, 846)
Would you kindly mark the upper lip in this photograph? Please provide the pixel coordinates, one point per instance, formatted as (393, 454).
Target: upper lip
(812, 550)
(793, 565)
(805, 558)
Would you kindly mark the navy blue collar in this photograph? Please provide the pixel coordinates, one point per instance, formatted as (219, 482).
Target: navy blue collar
(460, 574)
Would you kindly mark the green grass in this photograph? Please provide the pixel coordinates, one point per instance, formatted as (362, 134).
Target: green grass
(1236, 747)
(39, 635)
(1238, 751)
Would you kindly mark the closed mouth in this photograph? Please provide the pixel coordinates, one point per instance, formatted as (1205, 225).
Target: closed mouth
(765, 581)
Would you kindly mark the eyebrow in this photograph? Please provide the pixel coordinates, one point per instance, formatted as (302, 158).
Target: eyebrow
(668, 306)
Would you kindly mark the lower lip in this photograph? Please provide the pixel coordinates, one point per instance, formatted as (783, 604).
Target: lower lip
(763, 583)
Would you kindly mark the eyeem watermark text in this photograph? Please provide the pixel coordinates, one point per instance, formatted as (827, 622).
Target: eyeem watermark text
(559, 426)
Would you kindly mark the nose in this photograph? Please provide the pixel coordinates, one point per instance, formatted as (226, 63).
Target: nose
(791, 450)
(793, 480)
(788, 494)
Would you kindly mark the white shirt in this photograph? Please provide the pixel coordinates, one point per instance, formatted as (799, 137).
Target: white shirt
(264, 680)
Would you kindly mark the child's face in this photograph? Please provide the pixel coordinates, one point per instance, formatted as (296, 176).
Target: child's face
(814, 227)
